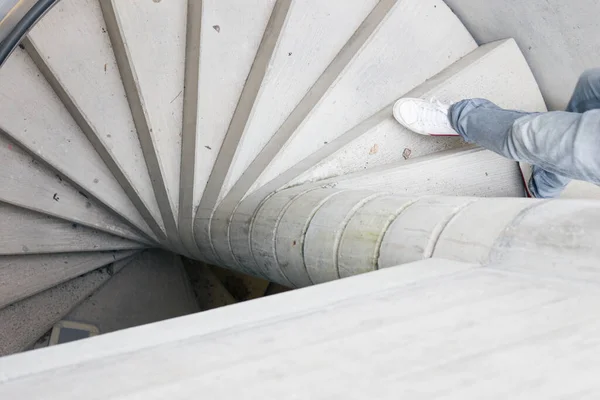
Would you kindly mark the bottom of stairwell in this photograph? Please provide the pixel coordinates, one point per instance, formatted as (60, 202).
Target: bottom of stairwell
(146, 291)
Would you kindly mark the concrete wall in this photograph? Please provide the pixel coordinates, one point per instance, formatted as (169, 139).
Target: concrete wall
(559, 38)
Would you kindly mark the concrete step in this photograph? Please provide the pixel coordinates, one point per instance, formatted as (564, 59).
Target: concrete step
(154, 287)
(148, 39)
(209, 290)
(39, 122)
(71, 47)
(28, 232)
(212, 192)
(415, 42)
(581, 190)
(493, 71)
(219, 34)
(26, 275)
(144, 34)
(460, 172)
(368, 73)
(314, 35)
(24, 322)
(26, 182)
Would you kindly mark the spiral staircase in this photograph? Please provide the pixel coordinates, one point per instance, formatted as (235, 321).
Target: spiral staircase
(258, 135)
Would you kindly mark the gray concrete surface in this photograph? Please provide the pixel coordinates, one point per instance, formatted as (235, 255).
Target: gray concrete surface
(23, 276)
(492, 72)
(24, 322)
(208, 289)
(152, 288)
(433, 329)
(559, 38)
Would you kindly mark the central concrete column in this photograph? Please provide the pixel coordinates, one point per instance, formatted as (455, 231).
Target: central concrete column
(309, 235)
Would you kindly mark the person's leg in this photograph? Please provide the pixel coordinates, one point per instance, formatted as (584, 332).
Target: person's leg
(482, 122)
(586, 97)
(561, 143)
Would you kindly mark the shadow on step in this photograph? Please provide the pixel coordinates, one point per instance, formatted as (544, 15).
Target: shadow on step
(153, 287)
(217, 287)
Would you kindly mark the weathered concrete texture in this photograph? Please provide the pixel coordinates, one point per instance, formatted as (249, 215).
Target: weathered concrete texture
(460, 172)
(72, 49)
(235, 130)
(260, 236)
(242, 287)
(24, 322)
(25, 275)
(152, 288)
(427, 38)
(379, 140)
(285, 218)
(209, 100)
(156, 104)
(208, 289)
(492, 72)
(228, 37)
(304, 52)
(302, 236)
(581, 190)
(38, 120)
(559, 38)
(30, 184)
(28, 232)
(431, 329)
(367, 74)
(162, 98)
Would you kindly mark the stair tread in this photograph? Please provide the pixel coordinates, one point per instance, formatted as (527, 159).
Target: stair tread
(209, 289)
(24, 322)
(311, 92)
(38, 121)
(314, 34)
(243, 110)
(27, 183)
(460, 172)
(73, 42)
(152, 288)
(28, 232)
(416, 41)
(370, 72)
(227, 38)
(491, 72)
(161, 99)
(26, 275)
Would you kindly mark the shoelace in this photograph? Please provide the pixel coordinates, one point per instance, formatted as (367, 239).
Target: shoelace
(436, 115)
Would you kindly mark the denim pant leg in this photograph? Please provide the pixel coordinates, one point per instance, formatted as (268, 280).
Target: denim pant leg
(561, 145)
(586, 97)
(482, 122)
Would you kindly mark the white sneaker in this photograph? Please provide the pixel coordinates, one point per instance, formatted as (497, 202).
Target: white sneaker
(424, 117)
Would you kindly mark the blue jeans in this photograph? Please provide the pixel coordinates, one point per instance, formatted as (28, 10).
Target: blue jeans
(561, 145)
